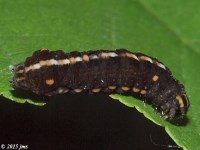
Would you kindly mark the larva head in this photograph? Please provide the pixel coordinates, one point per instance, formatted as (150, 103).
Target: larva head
(19, 79)
(175, 108)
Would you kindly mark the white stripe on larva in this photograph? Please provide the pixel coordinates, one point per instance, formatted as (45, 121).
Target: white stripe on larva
(150, 60)
(36, 66)
(20, 78)
(145, 58)
(20, 71)
(44, 49)
(86, 57)
(28, 68)
(47, 63)
(78, 59)
(161, 65)
(94, 57)
(135, 57)
(53, 62)
(43, 63)
(104, 55)
(109, 54)
(63, 62)
(132, 56)
(72, 60)
(180, 101)
(113, 54)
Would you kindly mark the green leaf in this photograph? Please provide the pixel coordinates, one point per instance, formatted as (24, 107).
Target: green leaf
(167, 30)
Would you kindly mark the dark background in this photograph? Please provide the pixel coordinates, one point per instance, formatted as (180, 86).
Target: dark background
(80, 122)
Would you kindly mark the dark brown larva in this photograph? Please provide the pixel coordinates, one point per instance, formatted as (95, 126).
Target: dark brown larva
(121, 71)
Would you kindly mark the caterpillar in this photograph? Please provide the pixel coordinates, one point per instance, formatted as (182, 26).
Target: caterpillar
(48, 73)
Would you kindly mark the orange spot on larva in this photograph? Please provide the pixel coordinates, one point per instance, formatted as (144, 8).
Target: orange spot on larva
(143, 92)
(125, 88)
(77, 90)
(136, 90)
(112, 87)
(50, 81)
(155, 78)
(96, 90)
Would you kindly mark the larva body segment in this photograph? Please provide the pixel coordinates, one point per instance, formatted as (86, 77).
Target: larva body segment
(120, 71)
